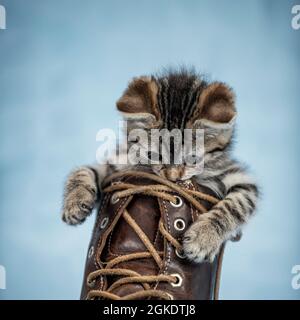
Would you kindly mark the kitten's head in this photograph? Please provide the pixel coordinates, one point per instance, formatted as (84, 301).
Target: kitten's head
(180, 100)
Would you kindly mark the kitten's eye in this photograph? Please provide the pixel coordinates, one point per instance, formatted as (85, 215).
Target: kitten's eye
(219, 149)
(154, 156)
(192, 159)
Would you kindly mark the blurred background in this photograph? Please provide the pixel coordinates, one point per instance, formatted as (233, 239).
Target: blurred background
(64, 63)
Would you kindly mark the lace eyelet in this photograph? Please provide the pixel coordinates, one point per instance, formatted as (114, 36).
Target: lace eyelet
(179, 224)
(178, 203)
(91, 284)
(114, 199)
(91, 252)
(104, 223)
(179, 254)
(170, 296)
(178, 283)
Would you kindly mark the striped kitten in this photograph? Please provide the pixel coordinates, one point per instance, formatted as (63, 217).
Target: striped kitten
(180, 99)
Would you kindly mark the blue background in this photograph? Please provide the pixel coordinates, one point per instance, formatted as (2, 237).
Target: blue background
(64, 63)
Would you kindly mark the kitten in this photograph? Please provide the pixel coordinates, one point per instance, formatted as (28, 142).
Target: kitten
(180, 99)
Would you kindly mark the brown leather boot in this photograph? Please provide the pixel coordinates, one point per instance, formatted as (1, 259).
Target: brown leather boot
(135, 250)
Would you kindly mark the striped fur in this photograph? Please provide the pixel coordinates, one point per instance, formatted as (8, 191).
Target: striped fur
(180, 100)
(178, 96)
(238, 193)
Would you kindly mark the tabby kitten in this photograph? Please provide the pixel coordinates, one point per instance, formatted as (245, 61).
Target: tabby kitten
(180, 99)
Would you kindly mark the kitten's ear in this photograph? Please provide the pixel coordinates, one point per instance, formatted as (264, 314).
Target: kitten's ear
(216, 105)
(139, 100)
(216, 114)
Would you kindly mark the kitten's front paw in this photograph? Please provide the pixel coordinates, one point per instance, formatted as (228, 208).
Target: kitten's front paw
(201, 241)
(80, 196)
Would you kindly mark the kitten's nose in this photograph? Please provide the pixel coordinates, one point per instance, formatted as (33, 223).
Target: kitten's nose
(173, 174)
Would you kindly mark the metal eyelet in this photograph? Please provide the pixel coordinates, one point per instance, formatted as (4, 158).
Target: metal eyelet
(178, 202)
(179, 224)
(91, 252)
(170, 296)
(178, 283)
(91, 284)
(104, 222)
(179, 254)
(114, 199)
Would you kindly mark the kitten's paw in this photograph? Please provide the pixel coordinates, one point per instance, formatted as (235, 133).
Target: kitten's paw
(80, 196)
(201, 241)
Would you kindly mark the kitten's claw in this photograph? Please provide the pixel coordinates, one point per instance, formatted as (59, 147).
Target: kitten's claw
(201, 242)
(80, 197)
(78, 205)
